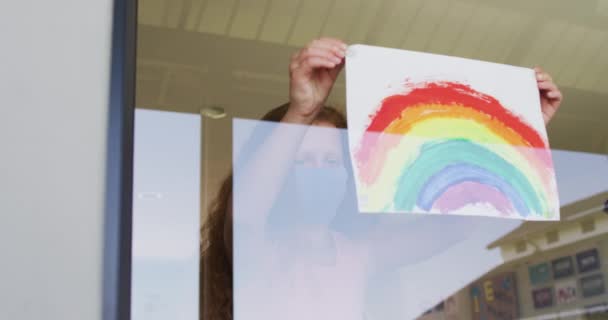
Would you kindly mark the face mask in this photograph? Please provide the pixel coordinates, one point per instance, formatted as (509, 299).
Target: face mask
(318, 193)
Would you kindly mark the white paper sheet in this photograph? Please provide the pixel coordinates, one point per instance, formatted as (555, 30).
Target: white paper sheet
(438, 134)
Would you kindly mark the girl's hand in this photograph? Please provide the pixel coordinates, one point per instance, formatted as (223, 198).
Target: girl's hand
(550, 96)
(312, 72)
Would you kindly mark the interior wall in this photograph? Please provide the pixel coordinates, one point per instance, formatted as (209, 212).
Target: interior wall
(526, 305)
(54, 85)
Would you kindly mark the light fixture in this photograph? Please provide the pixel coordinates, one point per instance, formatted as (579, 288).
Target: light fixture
(213, 112)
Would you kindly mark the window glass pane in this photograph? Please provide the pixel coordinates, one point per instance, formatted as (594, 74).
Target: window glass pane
(229, 62)
(165, 215)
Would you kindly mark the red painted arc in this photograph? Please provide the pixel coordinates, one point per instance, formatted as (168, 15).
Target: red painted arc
(448, 93)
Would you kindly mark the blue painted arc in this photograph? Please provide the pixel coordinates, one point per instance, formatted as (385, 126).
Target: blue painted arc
(463, 172)
(435, 156)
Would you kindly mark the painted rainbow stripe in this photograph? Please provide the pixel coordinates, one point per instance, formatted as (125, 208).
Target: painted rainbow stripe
(442, 146)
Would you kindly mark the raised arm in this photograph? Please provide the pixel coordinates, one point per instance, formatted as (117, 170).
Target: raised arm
(259, 178)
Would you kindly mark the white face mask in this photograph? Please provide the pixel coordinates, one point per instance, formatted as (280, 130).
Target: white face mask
(318, 193)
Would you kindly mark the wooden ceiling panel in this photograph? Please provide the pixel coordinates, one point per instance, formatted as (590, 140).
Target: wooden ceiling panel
(516, 30)
(452, 27)
(475, 32)
(499, 34)
(150, 70)
(365, 17)
(585, 53)
(601, 82)
(147, 94)
(248, 18)
(565, 49)
(309, 21)
(602, 7)
(392, 21)
(546, 39)
(217, 16)
(242, 47)
(278, 21)
(151, 12)
(183, 90)
(424, 24)
(173, 13)
(193, 15)
(342, 17)
(596, 70)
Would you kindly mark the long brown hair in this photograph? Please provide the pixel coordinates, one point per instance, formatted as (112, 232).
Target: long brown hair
(215, 302)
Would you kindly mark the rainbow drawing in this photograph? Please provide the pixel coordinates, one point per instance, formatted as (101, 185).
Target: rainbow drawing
(444, 147)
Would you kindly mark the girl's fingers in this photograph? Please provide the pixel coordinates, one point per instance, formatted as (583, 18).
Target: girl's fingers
(313, 62)
(320, 52)
(538, 70)
(335, 71)
(556, 94)
(294, 63)
(542, 76)
(334, 45)
(547, 85)
(550, 90)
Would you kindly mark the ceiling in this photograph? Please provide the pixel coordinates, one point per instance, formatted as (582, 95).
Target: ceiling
(235, 53)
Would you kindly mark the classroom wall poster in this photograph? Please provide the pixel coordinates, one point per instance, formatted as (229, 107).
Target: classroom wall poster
(565, 292)
(542, 298)
(446, 135)
(588, 260)
(592, 285)
(539, 273)
(563, 267)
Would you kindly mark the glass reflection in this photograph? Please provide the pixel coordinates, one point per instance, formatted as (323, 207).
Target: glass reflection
(322, 259)
(313, 255)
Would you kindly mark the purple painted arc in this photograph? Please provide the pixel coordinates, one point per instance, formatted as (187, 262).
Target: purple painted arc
(455, 174)
(465, 193)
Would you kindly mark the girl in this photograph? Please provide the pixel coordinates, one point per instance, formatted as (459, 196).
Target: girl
(301, 262)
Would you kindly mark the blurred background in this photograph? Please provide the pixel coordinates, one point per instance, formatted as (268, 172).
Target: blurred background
(202, 63)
